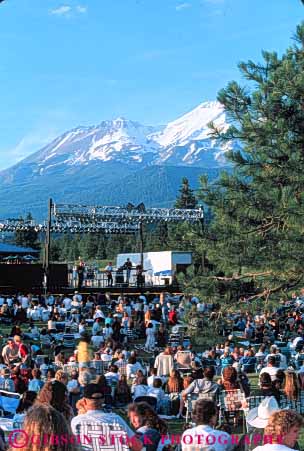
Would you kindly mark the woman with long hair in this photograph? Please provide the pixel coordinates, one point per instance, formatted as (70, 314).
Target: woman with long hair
(46, 425)
(55, 393)
(149, 427)
(229, 380)
(122, 391)
(175, 382)
(291, 387)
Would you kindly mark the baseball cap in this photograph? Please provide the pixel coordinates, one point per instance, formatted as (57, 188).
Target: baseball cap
(92, 391)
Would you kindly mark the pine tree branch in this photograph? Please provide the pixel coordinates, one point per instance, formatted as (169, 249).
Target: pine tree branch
(244, 276)
(284, 286)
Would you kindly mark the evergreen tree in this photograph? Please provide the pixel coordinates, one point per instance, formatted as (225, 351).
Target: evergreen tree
(186, 197)
(27, 238)
(256, 234)
(101, 248)
(55, 250)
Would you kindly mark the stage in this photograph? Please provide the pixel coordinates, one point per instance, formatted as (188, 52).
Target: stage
(9, 290)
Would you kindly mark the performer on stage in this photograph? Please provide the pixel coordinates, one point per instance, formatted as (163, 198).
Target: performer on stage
(140, 278)
(128, 266)
(109, 270)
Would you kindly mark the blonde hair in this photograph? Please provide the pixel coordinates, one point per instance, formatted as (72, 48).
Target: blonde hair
(49, 425)
(280, 423)
(60, 374)
(291, 388)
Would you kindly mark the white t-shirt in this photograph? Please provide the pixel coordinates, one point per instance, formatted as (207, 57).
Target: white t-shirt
(106, 357)
(67, 302)
(273, 447)
(107, 332)
(96, 340)
(72, 384)
(206, 438)
(98, 314)
(24, 302)
(139, 390)
(296, 341)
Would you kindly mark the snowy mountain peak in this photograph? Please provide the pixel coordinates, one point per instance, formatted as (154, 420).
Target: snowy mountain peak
(192, 125)
(120, 121)
(185, 141)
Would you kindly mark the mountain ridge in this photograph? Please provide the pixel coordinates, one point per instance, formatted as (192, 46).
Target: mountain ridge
(102, 162)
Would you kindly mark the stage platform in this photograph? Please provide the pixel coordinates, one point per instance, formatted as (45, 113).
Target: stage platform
(11, 290)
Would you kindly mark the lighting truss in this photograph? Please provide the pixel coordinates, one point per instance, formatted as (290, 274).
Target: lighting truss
(123, 215)
(67, 218)
(70, 227)
(109, 228)
(15, 225)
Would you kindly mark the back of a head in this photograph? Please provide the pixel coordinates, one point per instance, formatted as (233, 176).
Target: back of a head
(53, 393)
(229, 374)
(271, 360)
(113, 368)
(209, 372)
(141, 380)
(265, 380)
(43, 420)
(204, 411)
(132, 360)
(157, 383)
(27, 400)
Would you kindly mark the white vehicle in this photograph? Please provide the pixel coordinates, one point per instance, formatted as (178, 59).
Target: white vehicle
(159, 267)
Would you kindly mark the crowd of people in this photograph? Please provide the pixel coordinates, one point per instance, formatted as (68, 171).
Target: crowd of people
(90, 368)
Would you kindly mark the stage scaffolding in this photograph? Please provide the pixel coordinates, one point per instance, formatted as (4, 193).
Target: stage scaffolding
(77, 218)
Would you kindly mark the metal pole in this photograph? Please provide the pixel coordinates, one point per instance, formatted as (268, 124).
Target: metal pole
(141, 237)
(47, 247)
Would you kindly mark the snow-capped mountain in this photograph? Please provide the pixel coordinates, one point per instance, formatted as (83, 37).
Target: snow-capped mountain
(100, 161)
(119, 140)
(183, 142)
(187, 140)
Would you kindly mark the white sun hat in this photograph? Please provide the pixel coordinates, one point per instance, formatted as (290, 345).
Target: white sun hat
(259, 416)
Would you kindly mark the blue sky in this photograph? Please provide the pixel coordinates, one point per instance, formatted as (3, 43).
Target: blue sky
(70, 62)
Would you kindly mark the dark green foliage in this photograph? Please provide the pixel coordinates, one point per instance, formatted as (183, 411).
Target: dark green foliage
(29, 238)
(186, 198)
(256, 234)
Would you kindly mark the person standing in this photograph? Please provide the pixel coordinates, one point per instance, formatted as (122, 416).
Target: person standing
(128, 266)
(139, 276)
(150, 334)
(109, 270)
(80, 272)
